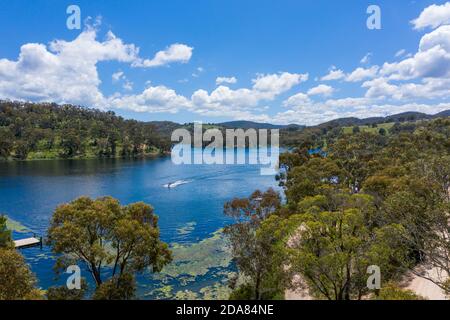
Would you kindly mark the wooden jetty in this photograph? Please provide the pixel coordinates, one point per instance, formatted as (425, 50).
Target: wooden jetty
(28, 243)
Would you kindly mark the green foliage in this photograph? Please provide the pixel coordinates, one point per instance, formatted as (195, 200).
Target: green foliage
(332, 250)
(392, 292)
(252, 250)
(119, 287)
(63, 293)
(370, 198)
(43, 131)
(243, 292)
(5, 234)
(110, 239)
(16, 280)
(311, 178)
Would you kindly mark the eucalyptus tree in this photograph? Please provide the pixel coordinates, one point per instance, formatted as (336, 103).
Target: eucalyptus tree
(112, 241)
(252, 253)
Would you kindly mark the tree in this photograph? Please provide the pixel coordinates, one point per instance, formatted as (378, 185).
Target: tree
(356, 155)
(368, 199)
(16, 280)
(101, 232)
(121, 287)
(356, 129)
(423, 207)
(21, 149)
(5, 234)
(70, 144)
(6, 142)
(67, 131)
(331, 250)
(311, 178)
(252, 253)
(64, 293)
(382, 131)
(393, 292)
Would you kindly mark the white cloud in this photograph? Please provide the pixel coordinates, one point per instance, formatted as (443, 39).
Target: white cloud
(360, 74)
(400, 53)
(427, 89)
(366, 58)
(66, 71)
(316, 113)
(393, 88)
(224, 101)
(174, 53)
(120, 76)
(152, 99)
(63, 71)
(222, 80)
(381, 88)
(128, 85)
(321, 89)
(199, 70)
(116, 76)
(431, 61)
(348, 102)
(433, 16)
(274, 84)
(296, 100)
(334, 74)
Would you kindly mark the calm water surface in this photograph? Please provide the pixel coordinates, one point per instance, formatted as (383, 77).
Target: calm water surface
(30, 191)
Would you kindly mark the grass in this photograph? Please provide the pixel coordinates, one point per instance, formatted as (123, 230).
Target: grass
(385, 126)
(15, 226)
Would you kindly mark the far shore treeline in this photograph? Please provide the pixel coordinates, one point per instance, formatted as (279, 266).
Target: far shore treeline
(33, 131)
(357, 194)
(49, 131)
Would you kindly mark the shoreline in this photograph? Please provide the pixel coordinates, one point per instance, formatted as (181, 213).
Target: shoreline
(147, 155)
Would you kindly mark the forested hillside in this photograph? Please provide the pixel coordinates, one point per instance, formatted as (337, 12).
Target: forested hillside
(318, 135)
(49, 131)
(31, 131)
(362, 199)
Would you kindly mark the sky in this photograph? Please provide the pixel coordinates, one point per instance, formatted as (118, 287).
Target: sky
(302, 61)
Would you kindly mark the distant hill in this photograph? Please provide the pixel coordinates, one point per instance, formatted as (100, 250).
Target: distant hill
(256, 125)
(442, 114)
(341, 122)
(165, 128)
(400, 117)
(30, 131)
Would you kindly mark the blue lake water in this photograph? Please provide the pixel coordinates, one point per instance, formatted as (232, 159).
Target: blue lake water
(30, 191)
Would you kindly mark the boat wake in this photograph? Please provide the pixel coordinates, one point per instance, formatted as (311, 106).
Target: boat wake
(175, 184)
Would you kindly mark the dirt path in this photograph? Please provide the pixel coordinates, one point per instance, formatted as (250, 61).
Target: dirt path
(420, 286)
(301, 293)
(424, 287)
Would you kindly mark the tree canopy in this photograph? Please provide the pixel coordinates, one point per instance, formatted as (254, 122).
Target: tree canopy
(112, 241)
(354, 199)
(48, 131)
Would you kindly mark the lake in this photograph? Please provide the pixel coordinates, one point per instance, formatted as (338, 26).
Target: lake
(190, 212)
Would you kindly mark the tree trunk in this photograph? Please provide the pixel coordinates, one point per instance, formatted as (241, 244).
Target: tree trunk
(96, 275)
(257, 287)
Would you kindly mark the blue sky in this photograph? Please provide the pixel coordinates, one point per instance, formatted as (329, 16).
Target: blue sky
(213, 60)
